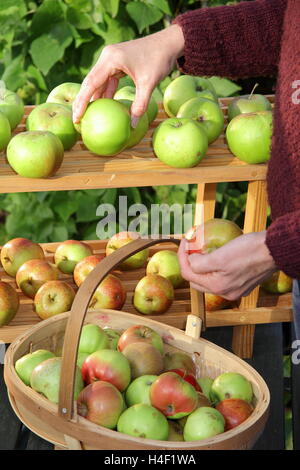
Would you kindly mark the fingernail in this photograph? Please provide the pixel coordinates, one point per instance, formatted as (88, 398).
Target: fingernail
(134, 121)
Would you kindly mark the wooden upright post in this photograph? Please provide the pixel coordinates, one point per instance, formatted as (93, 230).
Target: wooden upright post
(255, 221)
(205, 210)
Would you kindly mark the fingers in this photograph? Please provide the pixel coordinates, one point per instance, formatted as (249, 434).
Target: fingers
(186, 271)
(141, 101)
(111, 88)
(89, 87)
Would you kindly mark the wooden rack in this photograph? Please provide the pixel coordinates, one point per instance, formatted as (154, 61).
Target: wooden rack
(138, 167)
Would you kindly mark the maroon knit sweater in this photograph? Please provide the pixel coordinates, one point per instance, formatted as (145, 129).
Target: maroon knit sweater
(255, 38)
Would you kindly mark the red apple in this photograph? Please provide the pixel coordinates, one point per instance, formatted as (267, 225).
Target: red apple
(17, 251)
(69, 253)
(33, 274)
(85, 266)
(144, 359)
(123, 238)
(173, 396)
(235, 411)
(107, 365)
(138, 333)
(211, 235)
(109, 294)
(190, 378)
(153, 294)
(101, 403)
(179, 360)
(9, 303)
(52, 298)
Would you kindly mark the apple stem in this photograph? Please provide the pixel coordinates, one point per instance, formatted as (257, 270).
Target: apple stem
(253, 90)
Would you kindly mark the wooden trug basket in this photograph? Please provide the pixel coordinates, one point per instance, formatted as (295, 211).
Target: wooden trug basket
(61, 425)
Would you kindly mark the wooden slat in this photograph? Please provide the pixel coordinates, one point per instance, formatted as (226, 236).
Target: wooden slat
(205, 210)
(82, 169)
(255, 221)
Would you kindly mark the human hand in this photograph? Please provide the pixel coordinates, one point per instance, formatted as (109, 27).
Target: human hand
(146, 60)
(231, 271)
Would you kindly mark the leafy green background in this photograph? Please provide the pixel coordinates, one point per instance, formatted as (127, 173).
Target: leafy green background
(45, 43)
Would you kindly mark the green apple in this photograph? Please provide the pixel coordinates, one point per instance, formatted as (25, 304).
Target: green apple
(184, 88)
(231, 385)
(113, 337)
(81, 357)
(33, 274)
(12, 106)
(139, 390)
(278, 283)
(106, 126)
(248, 104)
(52, 298)
(65, 93)
(123, 238)
(206, 113)
(153, 294)
(9, 303)
(166, 264)
(211, 235)
(249, 136)
(25, 365)
(5, 131)
(45, 379)
(69, 253)
(205, 383)
(144, 421)
(55, 118)
(128, 93)
(203, 423)
(17, 251)
(92, 339)
(180, 142)
(36, 154)
(137, 133)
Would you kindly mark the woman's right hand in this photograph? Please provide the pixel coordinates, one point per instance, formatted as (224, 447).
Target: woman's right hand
(146, 60)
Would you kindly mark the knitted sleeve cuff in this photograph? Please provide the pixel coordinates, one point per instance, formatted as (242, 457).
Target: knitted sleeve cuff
(234, 41)
(283, 242)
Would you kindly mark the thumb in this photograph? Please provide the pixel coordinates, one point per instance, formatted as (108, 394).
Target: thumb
(140, 104)
(203, 264)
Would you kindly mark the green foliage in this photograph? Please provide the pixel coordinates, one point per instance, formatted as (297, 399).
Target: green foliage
(47, 42)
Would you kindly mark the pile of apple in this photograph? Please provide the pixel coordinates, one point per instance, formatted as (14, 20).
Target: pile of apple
(154, 293)
(105, 128)
(125, 380)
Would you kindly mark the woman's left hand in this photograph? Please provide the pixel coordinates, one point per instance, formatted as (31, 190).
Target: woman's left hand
(231, 271)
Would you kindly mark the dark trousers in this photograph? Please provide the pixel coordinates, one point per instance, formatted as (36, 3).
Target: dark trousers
(296, 308)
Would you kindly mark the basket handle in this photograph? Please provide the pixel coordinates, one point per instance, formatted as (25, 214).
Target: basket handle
(78, 311)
